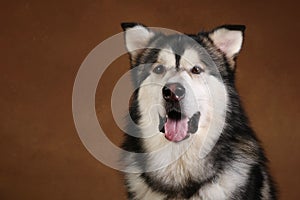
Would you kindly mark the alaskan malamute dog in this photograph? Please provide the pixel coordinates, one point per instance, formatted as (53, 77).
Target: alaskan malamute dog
(189, 136)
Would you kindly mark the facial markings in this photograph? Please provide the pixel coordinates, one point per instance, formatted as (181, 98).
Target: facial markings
(190, 58)
(187, 60)
(166, 58)
(177, 58)
(169, 59)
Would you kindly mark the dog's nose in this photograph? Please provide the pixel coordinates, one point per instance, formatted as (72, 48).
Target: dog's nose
(173, 92)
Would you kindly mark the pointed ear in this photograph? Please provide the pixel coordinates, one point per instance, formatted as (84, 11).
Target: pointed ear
(229, 39)
(137, 36)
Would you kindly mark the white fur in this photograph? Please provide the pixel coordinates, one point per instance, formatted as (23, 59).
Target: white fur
(166, 58)
(228, 41)
(137, 38)
(190, 58)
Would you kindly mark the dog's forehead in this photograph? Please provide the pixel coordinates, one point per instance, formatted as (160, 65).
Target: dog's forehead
(170, 58)
(178, 51)
(166, 57)
(190, 57)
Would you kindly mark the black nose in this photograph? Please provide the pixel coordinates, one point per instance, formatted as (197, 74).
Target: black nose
(173, 92)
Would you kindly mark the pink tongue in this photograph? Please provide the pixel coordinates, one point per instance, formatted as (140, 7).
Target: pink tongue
(176, 130)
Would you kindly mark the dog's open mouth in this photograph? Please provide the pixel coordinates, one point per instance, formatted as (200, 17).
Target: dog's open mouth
(177, 126)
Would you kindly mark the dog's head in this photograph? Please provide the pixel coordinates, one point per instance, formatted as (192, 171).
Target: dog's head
(181, 78)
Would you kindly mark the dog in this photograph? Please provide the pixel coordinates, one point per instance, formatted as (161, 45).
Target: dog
(188, 135)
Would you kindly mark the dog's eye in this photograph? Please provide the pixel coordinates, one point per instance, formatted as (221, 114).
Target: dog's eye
(159, 69)
(196, 70)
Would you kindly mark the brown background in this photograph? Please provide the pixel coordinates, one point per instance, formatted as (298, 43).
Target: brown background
(43, 44)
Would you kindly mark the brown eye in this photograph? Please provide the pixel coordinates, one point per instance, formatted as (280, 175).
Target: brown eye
(159, 69)
(196, 70)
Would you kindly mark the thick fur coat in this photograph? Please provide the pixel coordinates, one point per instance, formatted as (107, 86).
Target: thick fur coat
(184, 145)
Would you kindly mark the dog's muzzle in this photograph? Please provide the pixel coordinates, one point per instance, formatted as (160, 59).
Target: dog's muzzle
(176, 125)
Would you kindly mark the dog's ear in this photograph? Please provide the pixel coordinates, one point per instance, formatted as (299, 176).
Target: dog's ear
(228, 38)
(137, 37)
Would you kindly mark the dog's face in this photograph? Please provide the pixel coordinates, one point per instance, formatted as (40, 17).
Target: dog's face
(181, 79)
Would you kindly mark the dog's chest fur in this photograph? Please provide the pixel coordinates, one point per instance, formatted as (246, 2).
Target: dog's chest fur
(178, 177)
